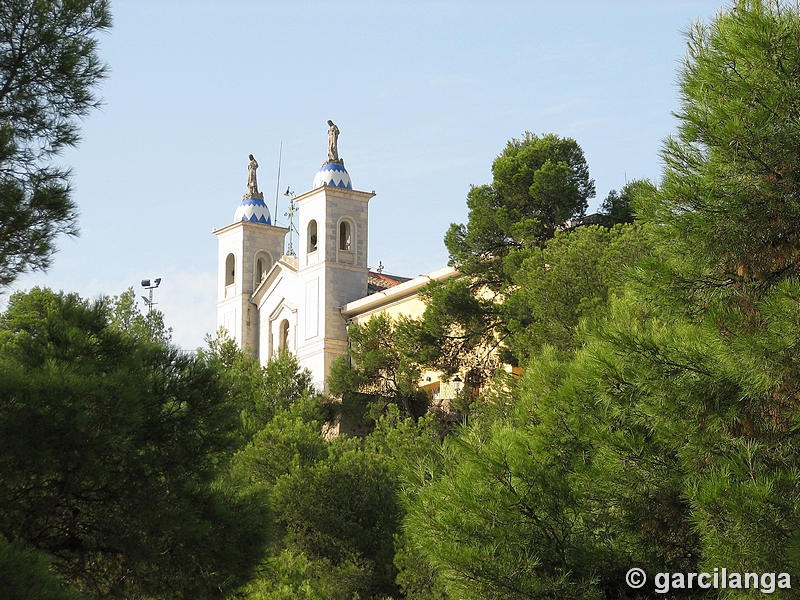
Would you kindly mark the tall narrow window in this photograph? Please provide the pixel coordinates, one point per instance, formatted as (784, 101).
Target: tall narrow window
(312, 236)
(345, 236)
(230, 269)
(283, 335)
(262, 265)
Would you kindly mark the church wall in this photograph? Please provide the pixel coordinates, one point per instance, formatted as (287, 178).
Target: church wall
(259, 238)
(310, 294)
(286, 315)
(235, 311)
(278, 303)
(328, 278)
(300, 302)
(230, 302)
(411, 306)
(317, 356)
(312, 357)
(230, 242)
(334, 349)
(311, 208)
(343, 286)
(355, 209)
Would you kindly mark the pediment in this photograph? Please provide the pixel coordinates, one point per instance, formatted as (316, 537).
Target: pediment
(279, 271)
(283, 304)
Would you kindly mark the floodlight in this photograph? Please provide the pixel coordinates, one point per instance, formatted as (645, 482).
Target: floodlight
(150, 287)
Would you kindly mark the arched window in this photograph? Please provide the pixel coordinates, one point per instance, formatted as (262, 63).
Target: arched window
(312, 236)
(230, 269)
(261, 267)
(345, 236)
(283, 335)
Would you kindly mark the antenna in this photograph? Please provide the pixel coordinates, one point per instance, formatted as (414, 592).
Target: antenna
(278, 186)
(290, 214)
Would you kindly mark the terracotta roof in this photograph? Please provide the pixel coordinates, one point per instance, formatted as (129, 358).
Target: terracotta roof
(383, 281)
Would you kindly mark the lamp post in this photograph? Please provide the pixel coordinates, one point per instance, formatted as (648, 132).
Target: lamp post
(461, 403)
(148, 300)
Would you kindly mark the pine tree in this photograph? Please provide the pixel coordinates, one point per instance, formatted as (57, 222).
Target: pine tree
(538, 183)
(669, 441)
(49, 69)
(110, 451)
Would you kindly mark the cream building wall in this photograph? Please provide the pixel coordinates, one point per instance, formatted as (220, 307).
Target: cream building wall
(403, 300)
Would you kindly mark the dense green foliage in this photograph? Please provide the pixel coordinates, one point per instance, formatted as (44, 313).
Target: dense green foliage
(125, 316)
(109, 450)
(655, 425)
(728, 198)
(49, 69)
(568, 280)
(618, 208)
(25, 575)
(379, 368)
(336, 506)
(550, 289)
(538, 184)
(257, 393)
(667, 439)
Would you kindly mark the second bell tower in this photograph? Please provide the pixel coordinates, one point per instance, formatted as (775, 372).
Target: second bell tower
(247, 249)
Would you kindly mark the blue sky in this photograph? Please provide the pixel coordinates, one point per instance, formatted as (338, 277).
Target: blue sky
(425, 94)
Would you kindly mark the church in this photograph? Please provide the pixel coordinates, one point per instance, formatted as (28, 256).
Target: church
(270, 300)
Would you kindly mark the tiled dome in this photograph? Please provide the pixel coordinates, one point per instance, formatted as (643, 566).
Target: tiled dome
(332, 174)
(253, 210)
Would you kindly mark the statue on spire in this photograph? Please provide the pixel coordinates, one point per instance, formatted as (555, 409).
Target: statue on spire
(252, 185)
(333, 140)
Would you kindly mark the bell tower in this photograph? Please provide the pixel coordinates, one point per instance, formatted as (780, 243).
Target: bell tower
(332, 260)
(247, 250)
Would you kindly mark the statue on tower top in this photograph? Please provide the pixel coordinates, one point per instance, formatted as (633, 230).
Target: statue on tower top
(333, 140)
(252, 185)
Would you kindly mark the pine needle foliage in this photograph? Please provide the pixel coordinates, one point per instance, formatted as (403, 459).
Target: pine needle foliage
(669, 440)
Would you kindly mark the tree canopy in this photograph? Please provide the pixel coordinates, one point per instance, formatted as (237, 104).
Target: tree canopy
(110, 449)
(668, 438)
(537, 184)
(379, 368)
(618, 206)
(49, 69)
(729, 192)
(655, 422)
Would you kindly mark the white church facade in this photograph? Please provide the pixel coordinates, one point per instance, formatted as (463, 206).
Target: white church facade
(269, 300)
